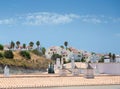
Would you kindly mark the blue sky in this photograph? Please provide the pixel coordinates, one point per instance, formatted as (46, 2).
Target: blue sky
(91, 25)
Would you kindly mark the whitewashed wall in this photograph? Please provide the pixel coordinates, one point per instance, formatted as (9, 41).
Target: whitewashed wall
(107, 68)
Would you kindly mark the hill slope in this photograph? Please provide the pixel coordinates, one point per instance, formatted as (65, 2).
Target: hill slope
(36, 62)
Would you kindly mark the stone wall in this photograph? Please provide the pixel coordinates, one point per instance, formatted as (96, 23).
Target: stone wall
(20, 70)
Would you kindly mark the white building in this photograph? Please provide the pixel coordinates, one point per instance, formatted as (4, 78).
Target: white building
(66, 54)
(106, 59)
(53, 50)
(117, 59)
(6, 47)
(94, 58)
(76, 53)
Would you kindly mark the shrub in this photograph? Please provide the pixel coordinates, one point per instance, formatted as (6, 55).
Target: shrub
(43, 50)
(25, 54)
(54, 56)
(1, 56)
(102, 59)
(37, 52)
(83, 59)
(1, 47)
(8, 54)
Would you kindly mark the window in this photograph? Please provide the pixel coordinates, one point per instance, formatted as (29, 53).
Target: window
(79, 55)
(63, 55)
(79, 52)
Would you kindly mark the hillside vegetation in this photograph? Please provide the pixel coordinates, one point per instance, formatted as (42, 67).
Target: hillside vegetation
(34, 61)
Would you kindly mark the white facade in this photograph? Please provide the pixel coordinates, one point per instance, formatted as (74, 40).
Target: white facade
(53, 50)
(6, 47)
(117, 59)
(94, 58)
(106, 60)
(76, 53)
(66, 54)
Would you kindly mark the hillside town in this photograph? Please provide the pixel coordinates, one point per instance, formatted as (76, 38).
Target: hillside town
(43, 65)
(59, 44)
(66, 53)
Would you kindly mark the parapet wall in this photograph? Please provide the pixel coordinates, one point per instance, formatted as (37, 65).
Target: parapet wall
(107, 68)
(20, 70)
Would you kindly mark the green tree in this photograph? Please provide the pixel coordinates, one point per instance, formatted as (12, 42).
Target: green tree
(93, 53)
(1, 47)
(25, 54)
(1, 56)
(62, 46)
(18, 44)
(102, 59)
(83, 59)
(113, 57)
(12, 45)
(38, 44)
(31, 44)
(66, 44)
(24, 45)
(110, 55)
(43, 50)
(37, 52)
(8, 54)
(55, 56)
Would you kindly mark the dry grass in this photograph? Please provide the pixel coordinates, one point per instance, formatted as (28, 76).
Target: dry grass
(36, 62)
(17, 56)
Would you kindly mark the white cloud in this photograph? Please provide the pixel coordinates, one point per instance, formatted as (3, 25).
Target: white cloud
(7, 21)
(49, 18)
(41, 18)
(99, 19)
(92, 20)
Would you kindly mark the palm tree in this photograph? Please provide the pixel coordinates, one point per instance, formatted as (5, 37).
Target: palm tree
(38, 44)
(18, 44)
(43, 50)
(66, 44)
(24, 45)
(1, 47)
(31, 44)
(113, 57)
(110, 55)
(12, 45)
